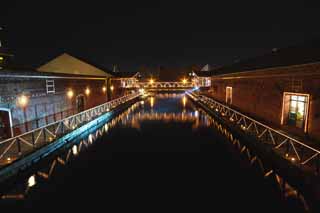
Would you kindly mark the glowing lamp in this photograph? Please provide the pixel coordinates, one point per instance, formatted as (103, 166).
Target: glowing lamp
(70, 94)
(184, 81)
(87, 91)
(104, 89)
(23, 101)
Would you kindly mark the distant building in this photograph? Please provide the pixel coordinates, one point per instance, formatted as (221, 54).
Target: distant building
(207, 67)
(68, 64)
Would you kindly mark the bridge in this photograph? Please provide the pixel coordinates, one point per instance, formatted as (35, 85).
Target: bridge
(154, 85)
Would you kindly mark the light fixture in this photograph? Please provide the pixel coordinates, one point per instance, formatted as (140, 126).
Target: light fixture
(70, 94)
(184, 81)
(87, 91)
(23, 101)
(104, 89)
(151, 81)
(112, 88)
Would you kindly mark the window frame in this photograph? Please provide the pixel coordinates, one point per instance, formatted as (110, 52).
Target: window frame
(307, 106)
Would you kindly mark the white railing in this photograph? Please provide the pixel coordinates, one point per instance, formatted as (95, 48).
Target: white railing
(163, 85)
(288, 147)
(18, 146)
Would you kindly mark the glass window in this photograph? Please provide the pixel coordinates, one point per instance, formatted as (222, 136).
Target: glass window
(229, 95)
(297, 111)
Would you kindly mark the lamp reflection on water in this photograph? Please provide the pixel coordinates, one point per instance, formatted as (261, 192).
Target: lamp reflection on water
(151, 101)
(31, 181)
(184, 101)
(74, 150)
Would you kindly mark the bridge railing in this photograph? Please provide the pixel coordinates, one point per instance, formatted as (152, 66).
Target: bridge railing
(18, 146)
(293, 150)
(161, 84)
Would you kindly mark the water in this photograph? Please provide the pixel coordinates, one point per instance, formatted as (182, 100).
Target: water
(161, 154)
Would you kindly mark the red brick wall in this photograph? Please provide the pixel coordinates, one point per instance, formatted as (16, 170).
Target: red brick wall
(260, 94)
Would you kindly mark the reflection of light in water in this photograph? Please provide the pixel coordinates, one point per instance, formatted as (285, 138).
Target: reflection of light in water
(90, 138)
(32, 181)
(106, 127)
(184, 101)
(196, 113)
(74, 150)
(151, 101)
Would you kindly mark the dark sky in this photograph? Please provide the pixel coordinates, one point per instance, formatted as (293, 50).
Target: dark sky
(154, 32)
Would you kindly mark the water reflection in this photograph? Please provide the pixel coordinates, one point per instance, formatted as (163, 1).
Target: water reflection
(165, 108)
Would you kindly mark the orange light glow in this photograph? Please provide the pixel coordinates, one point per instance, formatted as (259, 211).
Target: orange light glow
(23, 101)
(104, 89)
(87, 91)
(70, 94)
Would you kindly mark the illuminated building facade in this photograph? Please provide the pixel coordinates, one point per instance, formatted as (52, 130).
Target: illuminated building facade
(281, 89)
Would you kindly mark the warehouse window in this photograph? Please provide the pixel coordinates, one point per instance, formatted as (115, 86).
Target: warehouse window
(295, 110)
(229, 95)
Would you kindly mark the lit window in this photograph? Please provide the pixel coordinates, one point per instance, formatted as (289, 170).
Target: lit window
(229, 95)
(295, 110)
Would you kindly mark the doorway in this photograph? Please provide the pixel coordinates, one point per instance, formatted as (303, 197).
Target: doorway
(80, 103)
(229, 95)
(5, 124)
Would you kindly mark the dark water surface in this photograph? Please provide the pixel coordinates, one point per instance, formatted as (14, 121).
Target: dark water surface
(161, 154)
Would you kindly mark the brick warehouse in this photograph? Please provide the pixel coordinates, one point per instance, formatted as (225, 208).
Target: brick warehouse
(64, 86)
(281, 89)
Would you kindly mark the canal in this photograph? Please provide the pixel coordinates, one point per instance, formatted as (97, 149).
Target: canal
(162, 153)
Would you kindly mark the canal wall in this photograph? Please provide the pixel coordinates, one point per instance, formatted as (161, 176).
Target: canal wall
(290, 178)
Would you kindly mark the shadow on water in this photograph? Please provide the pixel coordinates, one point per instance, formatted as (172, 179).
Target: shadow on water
(161, 154)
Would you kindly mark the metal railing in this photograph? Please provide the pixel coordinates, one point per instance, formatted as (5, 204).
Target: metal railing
(16, 147)
(295, 151)
(163, 85)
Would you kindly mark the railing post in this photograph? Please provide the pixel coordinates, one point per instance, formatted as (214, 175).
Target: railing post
(62, 127)
(19, 146)
(44, 135)
(33, 142)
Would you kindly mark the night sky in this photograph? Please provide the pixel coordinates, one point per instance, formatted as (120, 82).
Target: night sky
(132, 34)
